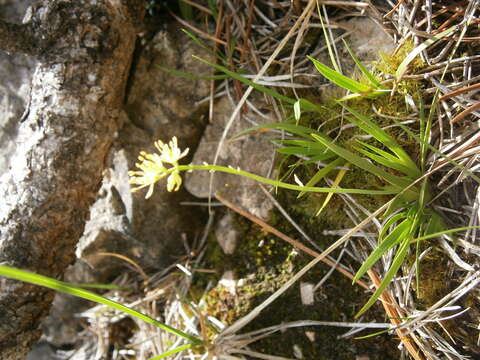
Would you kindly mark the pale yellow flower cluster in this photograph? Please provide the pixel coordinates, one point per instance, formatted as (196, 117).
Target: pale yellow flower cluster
(152, 167)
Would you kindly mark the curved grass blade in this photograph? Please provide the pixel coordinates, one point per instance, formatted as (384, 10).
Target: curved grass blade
(362, 163)
(171, 352)
(373, 80)
(392, 239)
(387, 161)
(335, 184)
(392, 220)
(64, 287)
(321, 174)
(379, 134)
(436, 151)
(339, 79)
(307, 104)
(191, 76)
(397, 262)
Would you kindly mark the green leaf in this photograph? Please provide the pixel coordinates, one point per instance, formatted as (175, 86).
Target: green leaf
(297, 111)
(362, 163)
(379, 134)
(322, 173)
(392, 239)
(298, 130)
(373, 80)
(191, 76)
(436, 151)
(385, 159)
(204, 46)
(295, 150)
(392, 220)
(339, 79)
(397, 262)
(248, 82)
(64, 287)
(336, 182)
(171, 352)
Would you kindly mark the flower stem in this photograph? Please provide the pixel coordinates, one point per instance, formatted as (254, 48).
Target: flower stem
(278, 183)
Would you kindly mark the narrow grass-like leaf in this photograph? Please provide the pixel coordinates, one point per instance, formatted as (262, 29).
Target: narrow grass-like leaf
(436, 151)
(396, 263)
(302, 143)
(322, 173)
(327, 39)
(191, 76)
(295, 150)
(64, 287)
(360, 162)
(402, 68)
(248, 82)
(339, 79)
(387, 161)
(297, 111)
(373, 80)
(392, 239)
(99, 286)
(298, 130)
(379, 134)
(171, 352)
(335, 184)
(204, 46)
(392, 220)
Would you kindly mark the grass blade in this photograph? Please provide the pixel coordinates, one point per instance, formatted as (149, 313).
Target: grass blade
(362, 163)
(390, 241)
(248, 82)
(64, 287)
(171, 352)
(392, 220)
(397, 262)
(379, 134)
(321, 174)
(373, 80)
(191, 76)
(389, 162)
(335, 184)
(339, 79)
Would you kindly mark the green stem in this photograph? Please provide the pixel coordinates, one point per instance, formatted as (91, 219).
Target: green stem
(277, 183)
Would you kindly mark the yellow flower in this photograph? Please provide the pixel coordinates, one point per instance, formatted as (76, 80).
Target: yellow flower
(174, 181)
(152, 167)
(170, 153)
(151, 170)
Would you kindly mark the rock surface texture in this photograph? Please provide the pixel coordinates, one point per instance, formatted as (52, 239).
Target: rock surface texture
(247, 152)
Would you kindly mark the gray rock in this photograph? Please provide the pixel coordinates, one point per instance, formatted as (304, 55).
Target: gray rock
(227, 233)
(367, 38)
(249, 153)
(165, 105)
(16, 73)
